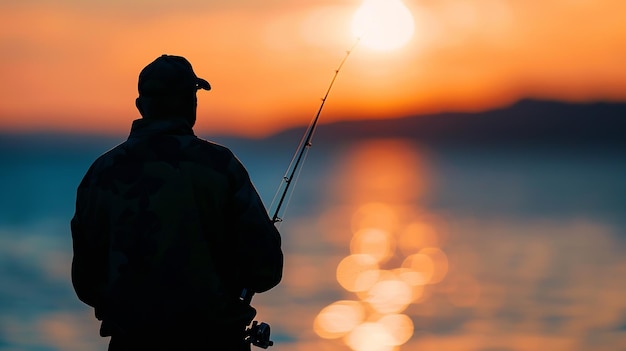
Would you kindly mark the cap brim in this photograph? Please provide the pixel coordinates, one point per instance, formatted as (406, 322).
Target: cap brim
(202, 84)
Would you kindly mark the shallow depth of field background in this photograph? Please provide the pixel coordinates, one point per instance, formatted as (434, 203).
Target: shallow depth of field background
(506, 235)
(388, 244)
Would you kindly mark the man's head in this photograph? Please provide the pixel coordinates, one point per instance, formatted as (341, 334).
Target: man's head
(167, 89)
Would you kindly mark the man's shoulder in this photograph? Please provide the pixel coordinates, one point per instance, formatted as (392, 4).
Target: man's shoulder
(211, 144)
(208, 147)
(108, 156)
(132, 154)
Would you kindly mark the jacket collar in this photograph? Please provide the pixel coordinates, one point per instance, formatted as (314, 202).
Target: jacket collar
(145, 127)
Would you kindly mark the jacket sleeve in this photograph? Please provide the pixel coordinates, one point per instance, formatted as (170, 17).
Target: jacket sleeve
(258, 240)
(89, 246)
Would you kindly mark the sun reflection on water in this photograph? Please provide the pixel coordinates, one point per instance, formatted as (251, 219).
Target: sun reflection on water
(357, 272)
(339, 318)
(373, 242)
(395, 249)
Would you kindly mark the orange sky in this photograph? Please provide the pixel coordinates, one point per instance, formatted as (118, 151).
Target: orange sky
(72, 65)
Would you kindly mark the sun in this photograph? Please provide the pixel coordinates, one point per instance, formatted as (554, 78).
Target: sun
(383, 24)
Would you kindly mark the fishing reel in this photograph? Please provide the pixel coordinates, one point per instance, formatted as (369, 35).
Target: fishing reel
(259, 335)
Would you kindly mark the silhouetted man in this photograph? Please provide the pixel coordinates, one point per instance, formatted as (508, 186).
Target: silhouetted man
(169, 230)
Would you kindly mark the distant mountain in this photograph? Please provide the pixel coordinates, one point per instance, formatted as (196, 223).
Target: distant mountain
(526, 123)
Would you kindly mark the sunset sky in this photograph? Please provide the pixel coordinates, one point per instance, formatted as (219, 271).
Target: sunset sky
(72, 65)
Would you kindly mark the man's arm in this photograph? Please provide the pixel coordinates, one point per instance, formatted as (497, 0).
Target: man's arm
(89, 247)
(258, 242)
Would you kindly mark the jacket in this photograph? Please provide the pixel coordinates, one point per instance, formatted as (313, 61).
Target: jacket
(168, 230)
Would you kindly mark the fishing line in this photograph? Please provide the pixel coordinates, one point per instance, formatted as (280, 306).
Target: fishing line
(293, 172)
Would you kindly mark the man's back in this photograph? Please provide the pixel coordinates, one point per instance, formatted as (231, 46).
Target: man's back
(179, 226)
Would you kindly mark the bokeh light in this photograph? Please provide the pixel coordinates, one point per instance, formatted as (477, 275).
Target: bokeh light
(338, 318)
(357, 272)
(389, 296)
(373, 242)
(422, 266)
(370, 336)
(399, 326)
(413, 279)
(440, 263)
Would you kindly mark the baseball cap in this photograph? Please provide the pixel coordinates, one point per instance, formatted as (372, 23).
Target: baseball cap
(169, 75)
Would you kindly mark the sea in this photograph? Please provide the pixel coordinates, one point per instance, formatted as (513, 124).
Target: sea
(390, 244)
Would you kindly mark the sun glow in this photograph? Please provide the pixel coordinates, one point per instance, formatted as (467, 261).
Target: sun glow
(383, 24)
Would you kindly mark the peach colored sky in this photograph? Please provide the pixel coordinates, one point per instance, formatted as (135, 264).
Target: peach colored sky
(72, 65)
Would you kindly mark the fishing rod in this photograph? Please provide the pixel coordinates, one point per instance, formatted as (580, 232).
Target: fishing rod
(258, 334)
(303, 148)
